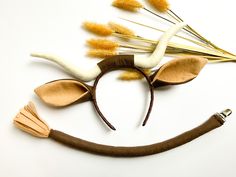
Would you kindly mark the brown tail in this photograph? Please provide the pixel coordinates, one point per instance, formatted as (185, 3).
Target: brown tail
(29, 121)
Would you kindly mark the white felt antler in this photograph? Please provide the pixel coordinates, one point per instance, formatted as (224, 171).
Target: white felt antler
(80, 73)
(155, 58)
(139, 61)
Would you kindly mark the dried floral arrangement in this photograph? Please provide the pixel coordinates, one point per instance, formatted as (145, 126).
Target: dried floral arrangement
(103, 47)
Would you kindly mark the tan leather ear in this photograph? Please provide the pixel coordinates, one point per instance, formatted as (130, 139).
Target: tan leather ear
(178, 71)
(63, 92)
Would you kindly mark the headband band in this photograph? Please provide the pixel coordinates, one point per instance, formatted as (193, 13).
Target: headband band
(65, 92)
(115, 63)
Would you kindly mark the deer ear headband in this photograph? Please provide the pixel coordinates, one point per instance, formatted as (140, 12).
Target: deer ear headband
(64, 92)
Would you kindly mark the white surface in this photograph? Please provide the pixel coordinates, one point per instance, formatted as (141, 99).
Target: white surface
(54, 26)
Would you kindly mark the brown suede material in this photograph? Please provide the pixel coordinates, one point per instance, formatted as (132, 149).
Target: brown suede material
(115, 62)
(212, 123)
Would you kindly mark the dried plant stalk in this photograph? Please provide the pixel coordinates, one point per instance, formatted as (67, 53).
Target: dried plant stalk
(179, 47)
(106, 48)
(131, 5)
(163, 6)
(121, 29)
(160, 5)
(100, 53)
(133, 75)
(97, 28)
(102, 44)
(181, 37)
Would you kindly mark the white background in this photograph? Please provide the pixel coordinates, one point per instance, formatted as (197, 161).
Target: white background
(54, 26)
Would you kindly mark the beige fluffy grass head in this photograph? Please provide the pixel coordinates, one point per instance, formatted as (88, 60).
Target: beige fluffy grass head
(131, 5)
(101, 53)
(102, 44)
(133, 75)
(120, 29)
(96, 28)
(29, 121)
(160, 5)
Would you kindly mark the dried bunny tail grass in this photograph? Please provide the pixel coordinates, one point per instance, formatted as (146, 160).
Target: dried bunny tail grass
(133, 75)
(29, 121)
(101, 53)
(96, 28)
(160, 5)
(131, 5)
(121, 29)
(102, 44)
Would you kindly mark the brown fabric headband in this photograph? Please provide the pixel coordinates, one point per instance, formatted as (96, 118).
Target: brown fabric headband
(29, 121)
(65, 92)
(118, 62)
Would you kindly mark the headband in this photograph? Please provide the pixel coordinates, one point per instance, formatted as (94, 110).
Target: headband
(67, 91)
(47, 91)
